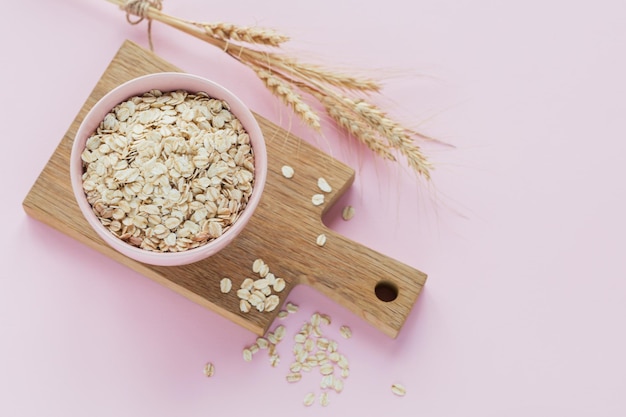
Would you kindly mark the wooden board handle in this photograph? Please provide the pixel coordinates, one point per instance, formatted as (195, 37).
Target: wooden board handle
(380, 290)
(377, 288)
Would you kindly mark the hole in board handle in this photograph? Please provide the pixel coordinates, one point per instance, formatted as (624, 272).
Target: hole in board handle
(386, 291)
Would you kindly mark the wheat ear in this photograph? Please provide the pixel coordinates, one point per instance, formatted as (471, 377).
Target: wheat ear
(230, 32)
(398, 136)
(283, 90)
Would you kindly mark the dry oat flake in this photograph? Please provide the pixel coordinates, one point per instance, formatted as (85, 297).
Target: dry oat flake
(398, 389)
(209, 369)
(168, 171)
(287, 171)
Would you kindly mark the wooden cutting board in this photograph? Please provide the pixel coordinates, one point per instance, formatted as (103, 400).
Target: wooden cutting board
(282, 231)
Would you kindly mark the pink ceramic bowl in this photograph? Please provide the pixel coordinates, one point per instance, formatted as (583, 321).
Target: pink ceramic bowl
(168, 82)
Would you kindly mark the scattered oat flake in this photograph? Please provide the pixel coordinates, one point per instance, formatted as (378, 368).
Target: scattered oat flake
(323, 185)
(346, 332)
(322, 344)
(243, 294)
(287, 171)
(259, 284)
(244, 306)
(274, 360)
(226, 285)
(327, 369)
(300, 337)
(309, 399)
(294, 377)
(317, 199)
(209, 369)
(321, 240)
(338, 385)
(398, 389)
(324, 399)
(247, 355)
(291, 307)
(343, 362)
(279, 285)
(327, 381)
(257, 264)
(271, 303)
(280, 332)
(262, 343)
(347, 213)
(247, 284)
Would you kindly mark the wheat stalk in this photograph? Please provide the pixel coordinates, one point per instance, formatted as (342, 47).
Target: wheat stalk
(398, 136)
(283, 75)
(333, 78)
(230, 32)
(283, 90)
(346, 118)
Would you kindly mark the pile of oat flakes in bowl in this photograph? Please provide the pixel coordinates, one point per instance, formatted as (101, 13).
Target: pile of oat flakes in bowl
(168, 171)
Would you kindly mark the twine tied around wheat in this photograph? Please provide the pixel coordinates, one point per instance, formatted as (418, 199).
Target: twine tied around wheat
(140, 9)
(342, 96)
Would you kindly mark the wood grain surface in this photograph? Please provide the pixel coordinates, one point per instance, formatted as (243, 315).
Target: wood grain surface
(282, 231)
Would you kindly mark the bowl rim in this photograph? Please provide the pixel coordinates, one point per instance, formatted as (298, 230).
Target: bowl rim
(172, 81)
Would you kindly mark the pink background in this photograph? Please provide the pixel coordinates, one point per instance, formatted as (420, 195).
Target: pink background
(521, 231)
